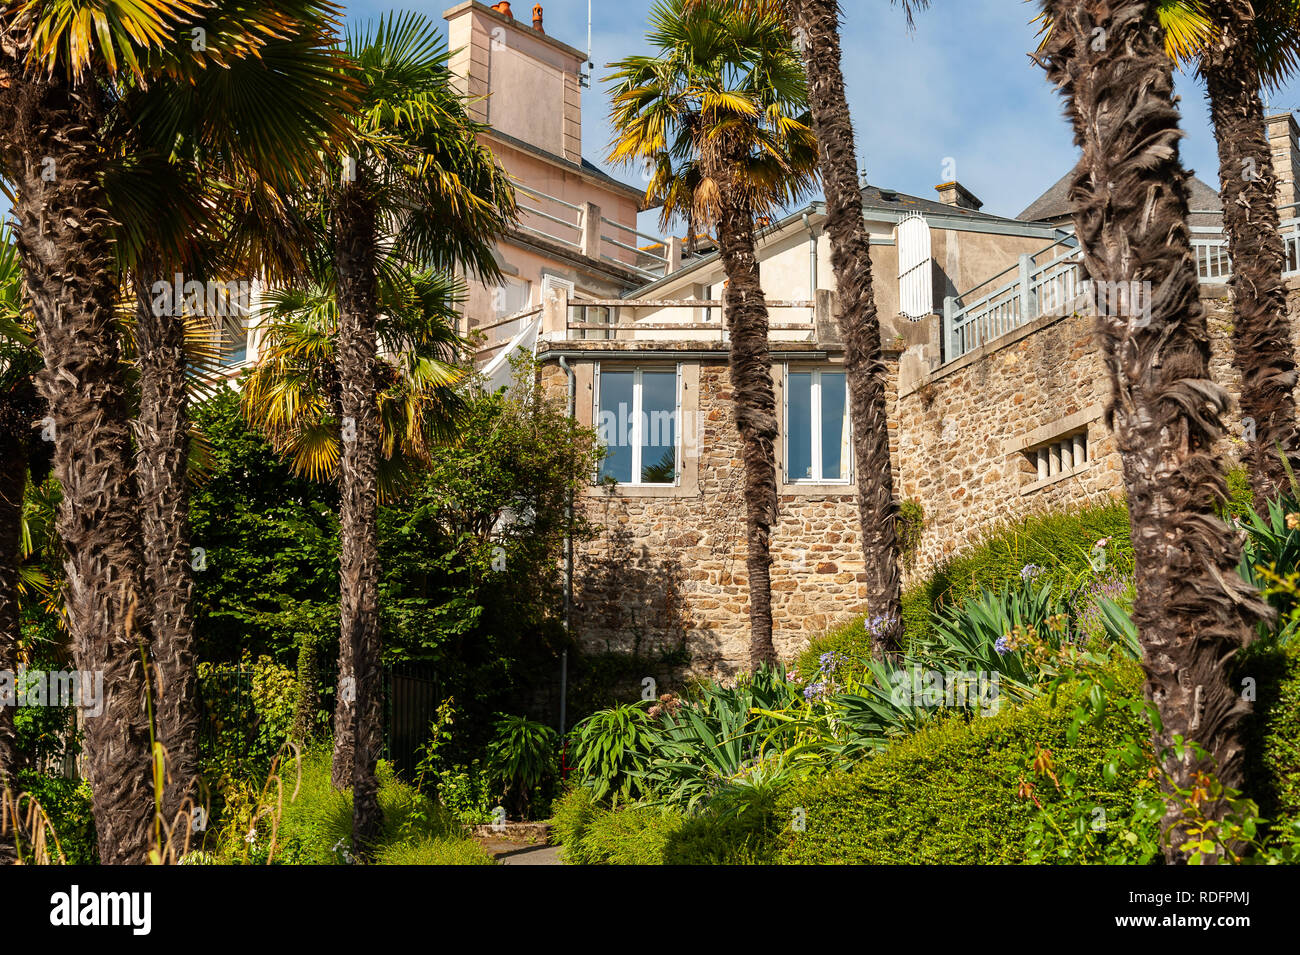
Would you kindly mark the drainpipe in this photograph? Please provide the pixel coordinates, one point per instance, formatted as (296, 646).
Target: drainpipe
(568, 581)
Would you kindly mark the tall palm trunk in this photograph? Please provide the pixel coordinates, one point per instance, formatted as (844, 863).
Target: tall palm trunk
(859, 327)
(161, 473)
(359, 647)
(64, 237)
(1130, 211)
(750, 363)
(1263, 353)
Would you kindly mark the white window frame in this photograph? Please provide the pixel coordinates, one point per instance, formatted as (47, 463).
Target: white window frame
(815, 404)
(638, 398)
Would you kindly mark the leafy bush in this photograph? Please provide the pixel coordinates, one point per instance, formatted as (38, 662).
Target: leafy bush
(611, 749)
(1273, 740)
(1059, 543)
(651, 835)
(520, 757)
(314, 826)
(67, 804)
(248, 715)
(952, 793)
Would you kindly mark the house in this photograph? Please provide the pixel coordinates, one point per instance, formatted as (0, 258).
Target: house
(996, 408)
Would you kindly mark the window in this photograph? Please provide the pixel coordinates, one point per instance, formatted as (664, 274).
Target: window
(1061, 457)
(816, 426)
(636, 419)
(511, 296)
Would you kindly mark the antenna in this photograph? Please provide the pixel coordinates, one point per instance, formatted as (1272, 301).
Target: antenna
(584, 79)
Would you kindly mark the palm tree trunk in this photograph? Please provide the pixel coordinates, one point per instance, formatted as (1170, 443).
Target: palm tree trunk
(1263, 353)
(359, 492)
(64, 237)
(162, 475)
(859, 327)
(1130, 211)
(750, 364)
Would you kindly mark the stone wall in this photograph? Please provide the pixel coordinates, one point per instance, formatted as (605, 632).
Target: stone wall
(667, 569)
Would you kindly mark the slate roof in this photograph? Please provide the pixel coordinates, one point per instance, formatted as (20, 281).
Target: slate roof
(1054, 206)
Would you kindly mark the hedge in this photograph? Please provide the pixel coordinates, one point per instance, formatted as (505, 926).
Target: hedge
(949, 793)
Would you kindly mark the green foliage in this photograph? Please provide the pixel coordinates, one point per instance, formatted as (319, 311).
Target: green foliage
(471, 557)
(249, 715)
(1270, 562)
(1059, 543)
(1241, 499)
(610, 750)
(520, 757)
(67, 805)
(1273, 740)
(848, 641)
(649, 835)
(911, 526)
(952, 792)
(270, 543)
(314, 826)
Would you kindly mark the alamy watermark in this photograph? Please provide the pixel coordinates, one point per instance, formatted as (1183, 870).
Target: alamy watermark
(83, 689)
(212, 299)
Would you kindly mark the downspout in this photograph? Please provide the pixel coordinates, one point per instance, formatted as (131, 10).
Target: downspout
(568, 583)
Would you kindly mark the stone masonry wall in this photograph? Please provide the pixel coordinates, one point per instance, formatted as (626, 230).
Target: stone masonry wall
(668, 570)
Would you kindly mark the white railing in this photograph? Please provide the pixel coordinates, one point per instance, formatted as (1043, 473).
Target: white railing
(544, 216)
(1029, 290)
(653, 260)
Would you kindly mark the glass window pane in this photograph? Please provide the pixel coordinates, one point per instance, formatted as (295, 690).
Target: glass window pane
(658, 427)
(614, 425)
(799, 425)
(835, 433)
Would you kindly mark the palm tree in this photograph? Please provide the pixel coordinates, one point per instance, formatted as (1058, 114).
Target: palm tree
(200, 192)
(417, 189)
(817, 32)
(292, 395)
(1239, 46)
(56, 74)
(1131, 204)
(720, 114)
(1253, 43)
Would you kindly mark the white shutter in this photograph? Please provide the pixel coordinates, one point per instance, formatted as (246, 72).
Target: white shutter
(915, 267)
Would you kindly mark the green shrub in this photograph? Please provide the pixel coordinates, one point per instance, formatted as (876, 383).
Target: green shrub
(951, 793)
(435, 851)
(315, 825)
(1273, 732)
(67, 804)
(1059, 543)
(646, 835)
(849, 640)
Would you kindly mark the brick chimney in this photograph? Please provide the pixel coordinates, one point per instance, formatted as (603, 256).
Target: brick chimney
(1284, 143)
(955, 194)
(537, 18)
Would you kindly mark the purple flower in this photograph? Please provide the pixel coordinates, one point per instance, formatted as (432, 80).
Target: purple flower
(1029, 572)
(1003, 644)
(814, 690)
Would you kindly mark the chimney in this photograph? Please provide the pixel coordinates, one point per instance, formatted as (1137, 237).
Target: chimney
(503, 8)
(1284, 143)
(537, 18)
(955, 194)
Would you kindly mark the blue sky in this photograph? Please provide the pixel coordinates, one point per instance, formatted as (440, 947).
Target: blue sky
(958, 93)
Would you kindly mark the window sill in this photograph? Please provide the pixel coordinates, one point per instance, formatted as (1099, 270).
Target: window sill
(1056, 478)
(817, 488)
(638, 490)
